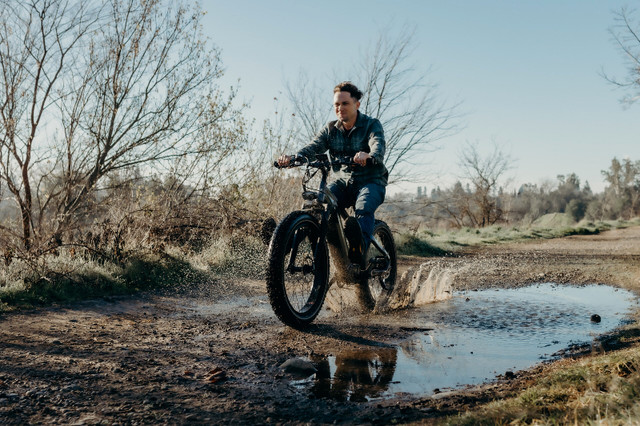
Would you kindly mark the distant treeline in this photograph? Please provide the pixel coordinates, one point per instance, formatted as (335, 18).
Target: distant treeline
(463, 206)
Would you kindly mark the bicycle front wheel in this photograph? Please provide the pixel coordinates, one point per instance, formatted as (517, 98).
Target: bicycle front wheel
(298, 270)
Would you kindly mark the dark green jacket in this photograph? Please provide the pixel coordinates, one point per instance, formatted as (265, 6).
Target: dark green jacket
(367, 136)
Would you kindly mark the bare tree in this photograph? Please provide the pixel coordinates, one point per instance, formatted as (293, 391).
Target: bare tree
(626, 35)
(37, 39)
(622, 196)
(93, 92)
(484, 174)
(395, 91)
(311, 102)
(407, 104)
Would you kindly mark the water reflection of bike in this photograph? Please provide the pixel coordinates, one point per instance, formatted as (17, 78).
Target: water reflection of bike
(359, 375)
(298, 268)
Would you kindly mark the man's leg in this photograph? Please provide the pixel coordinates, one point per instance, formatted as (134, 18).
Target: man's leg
(369, 199)
(346, 193)
(340, 190)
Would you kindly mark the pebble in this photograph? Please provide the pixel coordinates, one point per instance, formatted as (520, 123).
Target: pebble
(299, 367)
(71, 388)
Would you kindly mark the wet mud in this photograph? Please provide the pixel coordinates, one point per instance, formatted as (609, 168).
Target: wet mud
(213, 353)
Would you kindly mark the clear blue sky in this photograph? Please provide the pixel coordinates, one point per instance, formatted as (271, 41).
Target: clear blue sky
(527, 73)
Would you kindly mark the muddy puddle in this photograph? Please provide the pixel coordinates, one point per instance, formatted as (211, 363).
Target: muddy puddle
(473, 338)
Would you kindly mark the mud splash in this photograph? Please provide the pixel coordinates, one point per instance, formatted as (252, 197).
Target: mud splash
(430, 282)
(418, 286)
(472, 338)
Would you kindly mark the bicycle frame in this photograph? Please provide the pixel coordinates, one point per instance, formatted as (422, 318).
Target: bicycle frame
(323, 205)
(298, 272)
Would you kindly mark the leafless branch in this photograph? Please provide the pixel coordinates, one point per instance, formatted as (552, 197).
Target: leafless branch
(396, 92)
(626, 36)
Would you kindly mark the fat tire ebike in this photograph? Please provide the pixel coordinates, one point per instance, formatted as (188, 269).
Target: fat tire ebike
(305, 240)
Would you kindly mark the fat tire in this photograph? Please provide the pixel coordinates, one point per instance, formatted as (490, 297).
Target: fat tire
(279, 248)
(369, 294)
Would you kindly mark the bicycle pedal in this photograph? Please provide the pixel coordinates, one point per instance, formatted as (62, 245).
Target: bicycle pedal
(379, 262)
(377, 272)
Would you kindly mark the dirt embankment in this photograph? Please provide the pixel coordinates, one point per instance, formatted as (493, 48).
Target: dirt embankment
(211, 354)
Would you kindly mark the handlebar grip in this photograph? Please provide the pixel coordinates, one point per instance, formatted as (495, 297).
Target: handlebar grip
(294, 160)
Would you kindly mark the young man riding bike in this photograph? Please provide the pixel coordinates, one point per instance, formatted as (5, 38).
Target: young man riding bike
(361, 137)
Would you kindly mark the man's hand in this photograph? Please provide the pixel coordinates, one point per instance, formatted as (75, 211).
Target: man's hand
(361, 158)
(284, 160)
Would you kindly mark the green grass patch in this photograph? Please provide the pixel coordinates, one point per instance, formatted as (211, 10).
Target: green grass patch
(411, 245)
(553, 220)
(455, 239)
(61, 289)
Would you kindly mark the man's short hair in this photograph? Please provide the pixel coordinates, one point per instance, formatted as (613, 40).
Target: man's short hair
(347, 86)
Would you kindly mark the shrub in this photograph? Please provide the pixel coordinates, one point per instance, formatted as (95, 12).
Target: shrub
(576, 209)
(409, 244)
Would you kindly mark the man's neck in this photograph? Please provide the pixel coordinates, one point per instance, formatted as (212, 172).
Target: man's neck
(348, 126)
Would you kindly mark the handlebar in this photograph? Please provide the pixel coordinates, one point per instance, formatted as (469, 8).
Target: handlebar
(295, 161)
(298, 160)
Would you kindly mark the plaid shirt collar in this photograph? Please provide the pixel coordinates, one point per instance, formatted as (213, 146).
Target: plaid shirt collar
(359, 122)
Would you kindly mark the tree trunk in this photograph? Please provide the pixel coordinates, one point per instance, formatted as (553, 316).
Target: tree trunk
(25, 209)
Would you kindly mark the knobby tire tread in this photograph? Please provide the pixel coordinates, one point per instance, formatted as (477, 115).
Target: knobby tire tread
(275, 272)
(367, 300)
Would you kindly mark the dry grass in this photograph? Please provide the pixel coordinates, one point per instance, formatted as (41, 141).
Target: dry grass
(599, 389)
(58, 277)
(70, 275)
(442, 241)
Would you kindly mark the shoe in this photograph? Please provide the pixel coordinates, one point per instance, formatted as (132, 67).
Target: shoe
(353, 233)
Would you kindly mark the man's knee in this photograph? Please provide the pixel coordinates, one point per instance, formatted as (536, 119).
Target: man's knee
(369, 199)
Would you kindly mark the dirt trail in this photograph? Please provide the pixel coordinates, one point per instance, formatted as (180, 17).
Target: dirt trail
(157, 358)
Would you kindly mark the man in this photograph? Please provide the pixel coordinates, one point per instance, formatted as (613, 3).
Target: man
(360, 136)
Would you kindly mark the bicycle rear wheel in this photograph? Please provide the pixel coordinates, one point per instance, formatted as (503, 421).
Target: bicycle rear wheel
(298, 270)
(379, 284)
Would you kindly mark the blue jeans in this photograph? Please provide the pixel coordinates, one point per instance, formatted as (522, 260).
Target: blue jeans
(366, 198)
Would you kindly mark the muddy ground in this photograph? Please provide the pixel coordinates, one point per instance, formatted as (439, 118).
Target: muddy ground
(211, 353)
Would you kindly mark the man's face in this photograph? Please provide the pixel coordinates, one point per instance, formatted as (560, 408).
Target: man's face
(346, 107)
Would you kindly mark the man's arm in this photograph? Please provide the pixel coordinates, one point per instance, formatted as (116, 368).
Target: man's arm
(318, 145)
(377, 144)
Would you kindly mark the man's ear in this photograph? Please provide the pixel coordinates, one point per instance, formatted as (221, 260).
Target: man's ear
(357, 104)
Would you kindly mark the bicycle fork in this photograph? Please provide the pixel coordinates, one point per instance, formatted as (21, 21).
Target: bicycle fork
(298, 238)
